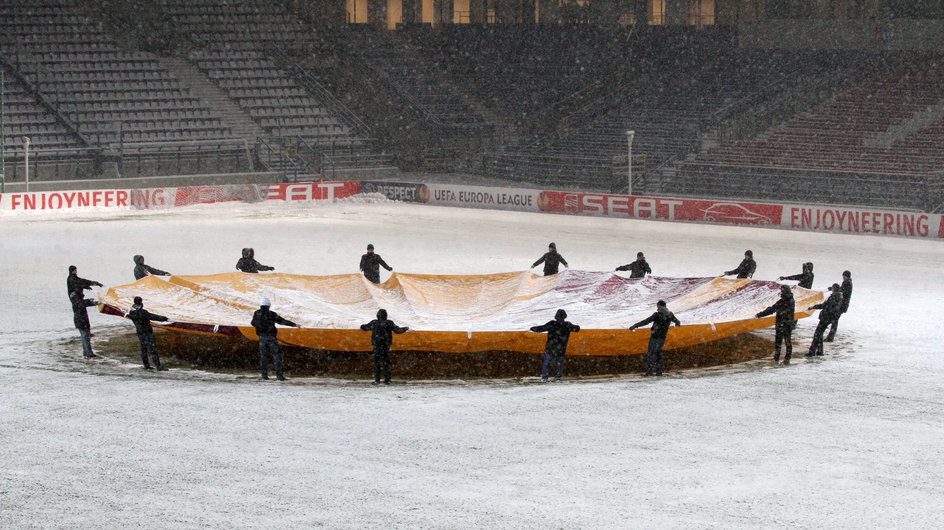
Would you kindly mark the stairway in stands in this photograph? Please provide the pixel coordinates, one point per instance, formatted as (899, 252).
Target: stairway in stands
(200, 86)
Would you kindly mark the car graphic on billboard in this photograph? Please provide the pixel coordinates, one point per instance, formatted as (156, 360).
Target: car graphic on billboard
(727, 212)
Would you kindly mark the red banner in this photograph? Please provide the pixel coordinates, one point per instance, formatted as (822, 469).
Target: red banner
(211, 194)
(726, 212)
(860, 221)
(65, 200)
(312, 191)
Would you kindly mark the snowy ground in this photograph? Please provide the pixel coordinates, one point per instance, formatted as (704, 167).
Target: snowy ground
(851, 441)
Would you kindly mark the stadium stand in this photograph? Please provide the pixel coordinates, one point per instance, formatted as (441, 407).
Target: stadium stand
(111, 95)
(416, 80)
(24, 115)
(545, 104)
(522, 71)
(874, 142)
(245, 49)
(679, 102)
(119, 103)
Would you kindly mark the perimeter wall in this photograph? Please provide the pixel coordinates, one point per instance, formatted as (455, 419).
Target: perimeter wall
(810, 218)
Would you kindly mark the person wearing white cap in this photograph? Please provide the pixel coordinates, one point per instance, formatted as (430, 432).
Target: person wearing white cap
(264, 320)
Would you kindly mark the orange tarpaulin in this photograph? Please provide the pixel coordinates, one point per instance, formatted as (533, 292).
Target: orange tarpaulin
(458, 314)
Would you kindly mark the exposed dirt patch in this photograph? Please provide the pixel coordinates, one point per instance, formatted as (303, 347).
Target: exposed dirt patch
(229, 355)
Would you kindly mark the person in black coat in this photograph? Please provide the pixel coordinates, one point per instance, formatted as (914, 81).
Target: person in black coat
(558, 334)
(551, 260)
(381, 338)
(74, 284)
(141, 270)
(81, 320)
(846, 289)
(264, 320)
(785, 308)
(371, 263)
(805, 278)
(746, 268)
(248, 262)
(142, 326)
(660, 321)
(829, 310)
(638, 268)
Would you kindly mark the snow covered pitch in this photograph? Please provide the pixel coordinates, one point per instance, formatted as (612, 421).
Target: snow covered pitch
(850, 441)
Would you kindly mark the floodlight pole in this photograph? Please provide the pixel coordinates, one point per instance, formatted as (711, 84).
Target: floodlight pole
(3, 175)
(629, 162)
(26, 142)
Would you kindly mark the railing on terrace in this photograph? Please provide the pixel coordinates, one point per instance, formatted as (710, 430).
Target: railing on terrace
(27, 69)
(882, 190)
(936, 192)
(133, 160)
(275, 155)
(411, 104)
(558, 171)
(325, 97)
(53, 164)
(186, 157)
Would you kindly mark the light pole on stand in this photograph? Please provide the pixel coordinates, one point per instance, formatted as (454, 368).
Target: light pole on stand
(629, 162)
(3, 137)
(26, 142)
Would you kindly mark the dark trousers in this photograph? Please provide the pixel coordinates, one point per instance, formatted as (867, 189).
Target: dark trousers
(86, 342)
(148, 346)
(783, 334)
(832, 328)
(382, 362)
(816, 347)
(269, 346)
(654, 359)
(550, 358)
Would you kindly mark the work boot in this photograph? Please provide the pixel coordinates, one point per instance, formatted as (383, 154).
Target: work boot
(264, 377)
(161, 368)
(280, 377)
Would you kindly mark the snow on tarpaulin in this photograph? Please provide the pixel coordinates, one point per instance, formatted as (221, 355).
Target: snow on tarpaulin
(458, 314)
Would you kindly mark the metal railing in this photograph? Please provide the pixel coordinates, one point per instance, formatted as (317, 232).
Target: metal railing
(133, 160)
(3, 132)
(53, 164)
(862, 188)
(274, 155)
(314, 87)
(27, 69)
